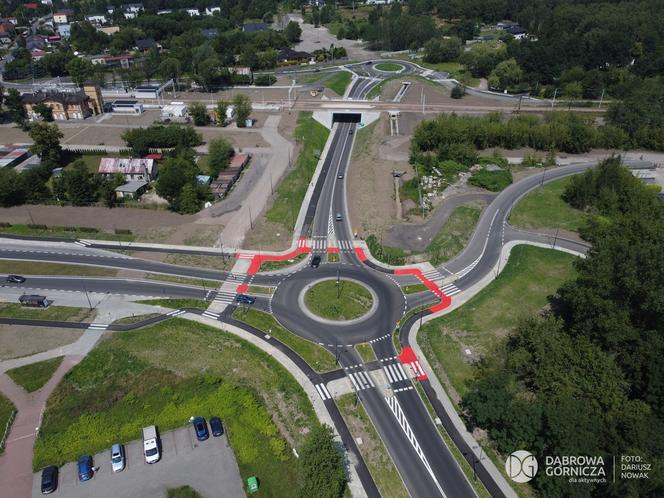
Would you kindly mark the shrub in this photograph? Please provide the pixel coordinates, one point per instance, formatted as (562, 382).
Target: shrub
(35, 226)
(265, 80)
(123, 231)
(458, 92)
(495, 181)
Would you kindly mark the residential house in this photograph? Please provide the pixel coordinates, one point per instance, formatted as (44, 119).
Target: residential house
(164, 12)
(7, 26)
(96, 19)
(209, 11)
(12, 155)
(37, 54)
(131, 169)
(5, 39)
(35, 41)
(65, 105)
(517, 32)
(13, 20)
(60, 18)
(122, 60)
(240, 70)
(131, 190)
(254, 27)
(192, 12)
(132, 7)
(290, 55)
(227, 178)
(109, 30)
(30, 6)
(210, 34)
(145, 44)
(64, 30)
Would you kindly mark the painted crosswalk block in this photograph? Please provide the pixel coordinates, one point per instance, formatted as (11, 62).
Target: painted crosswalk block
(175, 312)
(319, 244)
(225, 297)
(395, 373)
(433, 274)
(245, 256)
(82, 243)
(360, 379)
(450, 289)
(210, 314)
(323, 392)
(346, 245)
(97, 326)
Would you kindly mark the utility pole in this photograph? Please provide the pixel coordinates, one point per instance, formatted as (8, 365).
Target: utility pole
(85, 288)
(338, 285)
(251, 221)
(553, 102)
(601, 99)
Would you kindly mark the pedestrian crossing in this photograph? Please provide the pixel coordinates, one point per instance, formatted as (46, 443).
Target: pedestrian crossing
(175, 313)
(97, 326)
(360, 379)
(236, 277)
(395, 373)
(323, 392)
(245, 256)
(346, 245)
(211, 315)
(433, 274)
(225, 297)
(450, 289)
(82, 243)
(319, 244)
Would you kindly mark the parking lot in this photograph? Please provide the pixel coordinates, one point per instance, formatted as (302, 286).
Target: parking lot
(208, 466)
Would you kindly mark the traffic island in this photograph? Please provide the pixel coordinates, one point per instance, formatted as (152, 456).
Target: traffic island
(338, 300)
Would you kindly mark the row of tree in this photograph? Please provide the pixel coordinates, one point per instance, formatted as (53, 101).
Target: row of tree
(586, 377)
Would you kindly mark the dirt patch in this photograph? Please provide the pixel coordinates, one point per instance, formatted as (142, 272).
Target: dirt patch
(21, 340)
(370, 183)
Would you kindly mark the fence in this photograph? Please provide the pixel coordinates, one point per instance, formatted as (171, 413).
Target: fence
(7, 427)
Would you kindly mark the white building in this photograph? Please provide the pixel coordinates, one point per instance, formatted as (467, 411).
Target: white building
(174, 110)
(96, 19)
(209, 11)
(193, 12)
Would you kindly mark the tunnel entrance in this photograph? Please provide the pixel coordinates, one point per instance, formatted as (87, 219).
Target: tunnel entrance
(346, 117)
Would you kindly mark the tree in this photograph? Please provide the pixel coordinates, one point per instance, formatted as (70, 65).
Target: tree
(442, 50)
(14, 104)
(207, 72)
(34, 183)
(573, 91)
(458, 92)
(507, 74)
(44, 111)
(169, 68)
(78, 184)
(242, 105)
(293, 32)
(188, 201)
(219, 155)
(2, 95)
(221, 112)
(46, 144)
(174, 174)
(321, 465)
(12, 191)
(80, 70)
(199, 114)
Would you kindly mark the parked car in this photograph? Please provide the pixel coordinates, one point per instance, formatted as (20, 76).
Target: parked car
(85, 468)
(150, 444)
(315, 261)
(338, 217)
(49, 480)
(215, 425)
(117, 457)
(200, 428)
(244, 299)
(15, 279)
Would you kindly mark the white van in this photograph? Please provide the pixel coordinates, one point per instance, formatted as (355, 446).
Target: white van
(151, 444)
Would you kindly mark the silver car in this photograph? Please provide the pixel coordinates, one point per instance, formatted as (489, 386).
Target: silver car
(117, 457)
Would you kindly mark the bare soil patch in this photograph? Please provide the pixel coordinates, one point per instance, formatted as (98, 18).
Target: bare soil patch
(21, 340)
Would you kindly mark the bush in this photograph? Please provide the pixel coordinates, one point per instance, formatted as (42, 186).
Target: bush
(265, 80)
(141, 140)
(35, 226)
(4, 224)
(495, 181)
(458, 92)
(123, 231)
(385, 254)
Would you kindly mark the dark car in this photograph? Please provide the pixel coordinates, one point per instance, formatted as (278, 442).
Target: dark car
(85, 468)
(340, 176)
(49, 481)
(350, 132)
(216, 427)
(15, 279)
(315, 261)
(244, 299)
(200, 428)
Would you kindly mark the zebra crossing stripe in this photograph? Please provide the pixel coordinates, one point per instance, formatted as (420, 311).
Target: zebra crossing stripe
(366, 378)
(355, 384)
(97, 326)
(389, 374)
(451, 289)
(82, 243)
(210, 314)
(175, 312)
(245, 256)
(397, 366)
(323, 392)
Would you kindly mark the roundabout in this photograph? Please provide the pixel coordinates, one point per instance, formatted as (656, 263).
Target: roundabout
(369, 304)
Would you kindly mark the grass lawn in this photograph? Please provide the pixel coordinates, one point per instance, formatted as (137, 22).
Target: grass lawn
(6, 410)
(128, 320)
(161, 375)
(212, 284)
(183, 492)
(388, 66)
(333, 257)
(64, 232)
(375, 454)
(39, 268)
(338, 82)
(413, 289)
(545, 208)
(257, 289)
(311, 137)
(350, 300)
(283, 263)
(454, 235)
(176, 303)
(377, 91)
(521, 289)
(456, 70)
(60, 313)
(34, 376)
(318, 358)
(366, 352)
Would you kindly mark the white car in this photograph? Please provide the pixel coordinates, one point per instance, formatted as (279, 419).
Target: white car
(117, 458)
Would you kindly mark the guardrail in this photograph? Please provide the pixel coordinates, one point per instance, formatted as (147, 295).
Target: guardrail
(6, 433)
